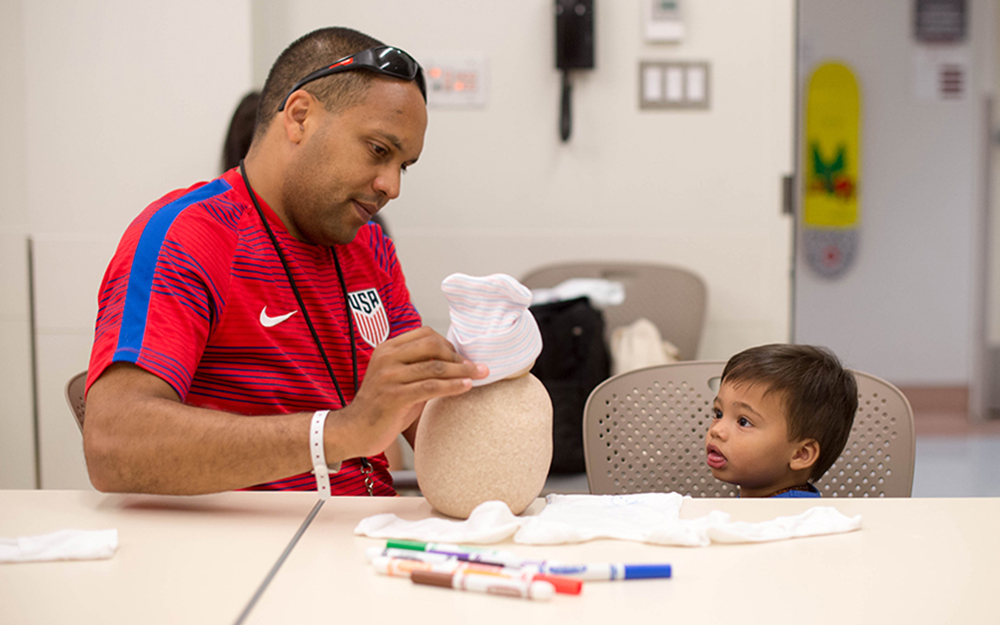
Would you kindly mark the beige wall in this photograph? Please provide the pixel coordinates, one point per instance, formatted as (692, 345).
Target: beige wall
(17, 432)
(496, 191)
(117, 103)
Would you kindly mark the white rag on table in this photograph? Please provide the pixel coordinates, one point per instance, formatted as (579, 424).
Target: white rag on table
(648, 517)
(61, 545)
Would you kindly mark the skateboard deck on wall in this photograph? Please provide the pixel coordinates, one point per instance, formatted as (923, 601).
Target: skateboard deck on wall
(832, 159)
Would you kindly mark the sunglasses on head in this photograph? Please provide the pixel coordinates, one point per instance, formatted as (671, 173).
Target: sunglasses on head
(382, 60)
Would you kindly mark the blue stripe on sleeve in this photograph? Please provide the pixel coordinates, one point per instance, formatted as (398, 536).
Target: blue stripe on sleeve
(147, 252)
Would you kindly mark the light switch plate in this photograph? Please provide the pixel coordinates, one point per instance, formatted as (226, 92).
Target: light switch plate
(674, 85)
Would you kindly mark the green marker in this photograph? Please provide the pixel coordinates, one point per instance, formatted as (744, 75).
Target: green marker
(414, 545)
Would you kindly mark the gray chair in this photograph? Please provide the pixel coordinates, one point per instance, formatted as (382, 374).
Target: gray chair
(75, 397)
(644, 431)
(671, 297)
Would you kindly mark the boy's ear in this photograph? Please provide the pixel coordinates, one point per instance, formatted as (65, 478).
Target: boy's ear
(805, 455)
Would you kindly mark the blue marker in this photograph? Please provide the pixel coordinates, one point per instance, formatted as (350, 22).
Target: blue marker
(587, 572)
(609, 572)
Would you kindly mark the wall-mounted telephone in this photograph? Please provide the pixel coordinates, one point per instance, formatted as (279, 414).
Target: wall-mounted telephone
(574, 50)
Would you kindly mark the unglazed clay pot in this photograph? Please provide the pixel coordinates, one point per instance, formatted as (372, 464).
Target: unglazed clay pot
(493, 443)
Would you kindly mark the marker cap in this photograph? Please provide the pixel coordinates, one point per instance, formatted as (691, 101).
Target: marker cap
(431, 578)
(405, 544)
(647, 571)
(562, 585)
(541, 590)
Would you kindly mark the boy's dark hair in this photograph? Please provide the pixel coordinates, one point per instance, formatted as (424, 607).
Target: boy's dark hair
(307, 54)
(820, 397)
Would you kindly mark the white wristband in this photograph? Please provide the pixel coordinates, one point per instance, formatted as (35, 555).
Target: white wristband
(316, 443)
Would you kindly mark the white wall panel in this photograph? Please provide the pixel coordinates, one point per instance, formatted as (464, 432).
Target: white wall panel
(495, 189)
(17, 425)
(123, 102)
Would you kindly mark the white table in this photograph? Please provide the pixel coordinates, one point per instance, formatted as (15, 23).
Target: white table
(200, 559)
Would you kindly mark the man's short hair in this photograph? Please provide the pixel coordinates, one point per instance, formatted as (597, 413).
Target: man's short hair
(317, 49)
(819, 396)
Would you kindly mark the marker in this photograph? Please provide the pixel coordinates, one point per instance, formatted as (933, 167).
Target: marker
(609, 572)
(489, 584)
(415, 545)
(423, 556)
(404, 568)
(467, 554)
(586, 572)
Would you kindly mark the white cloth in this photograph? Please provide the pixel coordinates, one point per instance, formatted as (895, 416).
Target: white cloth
(491, 324)
(648, 517)
(639, 345)
(490, 522)
(61, 545)
(601, 293)
(813, 522)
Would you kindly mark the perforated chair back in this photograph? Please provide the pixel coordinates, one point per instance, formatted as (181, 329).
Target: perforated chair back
(75, 397)
(644, 431)
(673, 298)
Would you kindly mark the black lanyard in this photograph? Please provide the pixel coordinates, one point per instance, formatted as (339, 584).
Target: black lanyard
(366, 465)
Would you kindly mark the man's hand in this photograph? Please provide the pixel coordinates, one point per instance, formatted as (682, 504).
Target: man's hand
(139, 437)
(403, 374)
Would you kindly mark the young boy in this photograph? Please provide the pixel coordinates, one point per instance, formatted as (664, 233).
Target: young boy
(781, 418)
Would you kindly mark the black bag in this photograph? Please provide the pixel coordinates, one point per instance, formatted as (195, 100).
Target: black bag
(573, 361)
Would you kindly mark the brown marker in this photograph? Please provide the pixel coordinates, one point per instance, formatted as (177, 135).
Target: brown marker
(490, 584)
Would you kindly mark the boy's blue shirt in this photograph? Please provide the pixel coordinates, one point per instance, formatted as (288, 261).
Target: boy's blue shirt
(798, 494)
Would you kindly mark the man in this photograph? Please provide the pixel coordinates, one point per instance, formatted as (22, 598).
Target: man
(230, 319)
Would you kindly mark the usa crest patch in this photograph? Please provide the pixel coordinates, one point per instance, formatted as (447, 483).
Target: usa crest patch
(369, 316)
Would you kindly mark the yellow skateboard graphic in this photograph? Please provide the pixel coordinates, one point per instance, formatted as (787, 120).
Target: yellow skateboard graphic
(832, 167)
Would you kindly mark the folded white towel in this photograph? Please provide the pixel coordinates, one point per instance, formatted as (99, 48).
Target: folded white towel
(578, 518)
(648, 517)
(813, 522)
(491, 324)
(490, 522)
(61, 545)
(601, 293)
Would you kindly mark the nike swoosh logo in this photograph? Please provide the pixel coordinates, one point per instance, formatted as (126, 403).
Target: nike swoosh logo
(270, 322)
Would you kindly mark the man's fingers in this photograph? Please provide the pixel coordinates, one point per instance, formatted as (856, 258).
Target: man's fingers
(419, 345)
(430, 370)
(425, 390)
(437, 369)
(426, 354)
